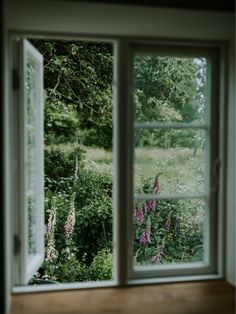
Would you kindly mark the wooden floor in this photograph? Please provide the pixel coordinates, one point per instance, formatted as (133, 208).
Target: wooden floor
(211, 297)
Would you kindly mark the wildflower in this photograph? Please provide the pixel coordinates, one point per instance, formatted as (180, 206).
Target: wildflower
(139, 215)
(156, 259)
(150, 206)
(70, 222)
(146, 235)
(168, 223)
(51, 250)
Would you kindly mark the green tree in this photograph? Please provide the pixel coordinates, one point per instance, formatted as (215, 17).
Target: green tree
(168, 89)
(77, 79)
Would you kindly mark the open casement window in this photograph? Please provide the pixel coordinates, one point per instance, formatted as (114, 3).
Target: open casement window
(29, 223)
(175, 161)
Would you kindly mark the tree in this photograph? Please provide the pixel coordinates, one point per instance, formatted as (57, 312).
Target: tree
(78, 79)
(168, 89)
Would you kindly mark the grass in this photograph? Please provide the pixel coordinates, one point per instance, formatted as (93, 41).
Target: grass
(98, 159)
(180, 170)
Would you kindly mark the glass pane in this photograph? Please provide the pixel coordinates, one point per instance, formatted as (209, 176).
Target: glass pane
(168, 231)
(170, 89)
(174, 158)
(30, 154)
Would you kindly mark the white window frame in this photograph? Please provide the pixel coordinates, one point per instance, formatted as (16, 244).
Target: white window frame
(25, 264)
(185, 271)
(123, 163)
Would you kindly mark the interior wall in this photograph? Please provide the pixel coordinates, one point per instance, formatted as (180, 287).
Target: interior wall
(2, 238)
(69, 18)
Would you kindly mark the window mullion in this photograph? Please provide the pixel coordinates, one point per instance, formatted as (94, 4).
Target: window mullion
(123, 162)
(157, 125)
(170, 196)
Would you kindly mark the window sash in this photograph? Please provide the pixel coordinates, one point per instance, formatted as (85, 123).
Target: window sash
(209, 264)
(27, 264)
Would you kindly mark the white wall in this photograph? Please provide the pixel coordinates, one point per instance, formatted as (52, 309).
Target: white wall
(70, 18)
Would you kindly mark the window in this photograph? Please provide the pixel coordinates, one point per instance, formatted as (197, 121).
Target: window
(175, 172)
(166, 157)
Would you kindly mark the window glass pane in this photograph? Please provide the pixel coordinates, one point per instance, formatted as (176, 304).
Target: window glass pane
(169, 89)
(168, 231)
(30, 154)
(175, 157)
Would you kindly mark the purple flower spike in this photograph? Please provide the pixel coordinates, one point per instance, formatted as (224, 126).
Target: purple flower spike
(150, 206)
(139, 215)
(145, 238)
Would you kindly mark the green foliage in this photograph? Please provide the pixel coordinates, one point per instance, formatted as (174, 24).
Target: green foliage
(61, 120)
(168, 90)
(60, 163)
(78, 113)
(169, 232)
(78, 80)
(92, 231)
(101, 267)
(166, 82)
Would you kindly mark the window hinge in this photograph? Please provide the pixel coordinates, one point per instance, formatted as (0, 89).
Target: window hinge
(17, 244)
(15, 79)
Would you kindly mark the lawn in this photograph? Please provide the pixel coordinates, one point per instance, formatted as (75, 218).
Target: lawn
(180, 170)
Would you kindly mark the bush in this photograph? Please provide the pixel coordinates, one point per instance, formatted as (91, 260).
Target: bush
(79, 218)
(101, 267)
(60, 162)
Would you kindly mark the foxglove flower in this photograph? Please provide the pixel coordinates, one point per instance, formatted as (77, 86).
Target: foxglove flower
(70, 222)
(150, 206)
(139, 215)
(51, 250)
(145, 238)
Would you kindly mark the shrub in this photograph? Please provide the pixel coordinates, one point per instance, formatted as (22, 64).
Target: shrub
(101, 267)
(81, 206)
(60, 162)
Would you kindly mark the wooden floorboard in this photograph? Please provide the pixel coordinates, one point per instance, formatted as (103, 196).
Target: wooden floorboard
(211, 297)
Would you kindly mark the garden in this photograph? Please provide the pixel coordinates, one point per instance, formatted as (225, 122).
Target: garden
(78, 160)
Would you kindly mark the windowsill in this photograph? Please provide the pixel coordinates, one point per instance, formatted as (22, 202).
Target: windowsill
(185, 298)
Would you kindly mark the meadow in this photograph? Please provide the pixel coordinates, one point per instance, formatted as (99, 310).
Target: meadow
(180, 169)
(170, 231)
